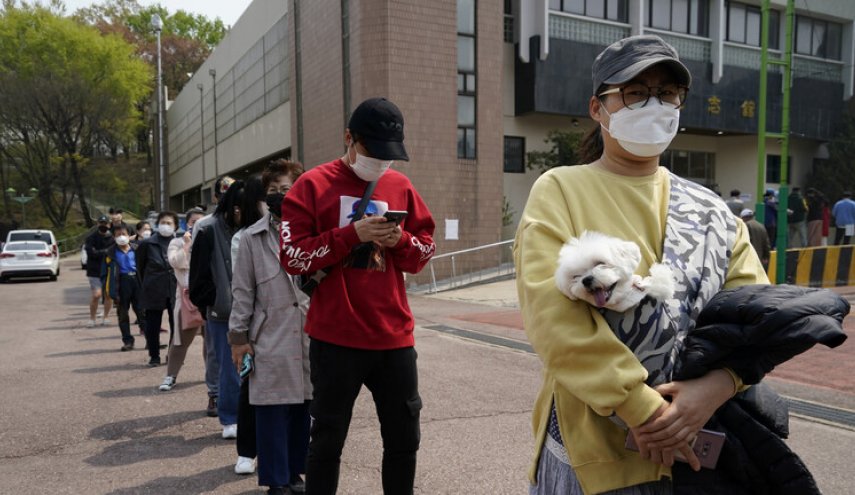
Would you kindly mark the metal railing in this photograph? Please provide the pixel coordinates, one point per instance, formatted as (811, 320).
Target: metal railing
(471, 265)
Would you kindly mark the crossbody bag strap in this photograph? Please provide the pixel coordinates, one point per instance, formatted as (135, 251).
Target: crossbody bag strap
(309, 282)
(363, 203)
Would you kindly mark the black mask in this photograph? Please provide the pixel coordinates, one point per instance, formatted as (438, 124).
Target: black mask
(103, 228)
(274, 202)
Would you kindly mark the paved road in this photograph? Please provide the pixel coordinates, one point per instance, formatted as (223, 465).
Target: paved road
(81, 417)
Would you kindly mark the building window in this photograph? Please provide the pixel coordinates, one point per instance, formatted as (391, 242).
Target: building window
(466, 75)
(679, 16)
(745, 21)
(613, 10)
(514, 155)
(773, 170)
(818, 38)
(696, 166)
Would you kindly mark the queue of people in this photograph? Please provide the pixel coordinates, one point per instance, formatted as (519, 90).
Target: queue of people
(239, 277)
(297, 279)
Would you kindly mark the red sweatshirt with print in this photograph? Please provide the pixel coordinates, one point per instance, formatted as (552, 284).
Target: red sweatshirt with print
(362, 302)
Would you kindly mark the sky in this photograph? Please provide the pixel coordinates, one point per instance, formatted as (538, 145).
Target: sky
(227, 10)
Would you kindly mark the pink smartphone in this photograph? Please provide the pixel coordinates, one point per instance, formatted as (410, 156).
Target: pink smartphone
(707, 447)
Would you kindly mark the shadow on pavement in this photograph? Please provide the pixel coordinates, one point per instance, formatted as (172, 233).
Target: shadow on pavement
(140, 428)
(63, 328)
(85, 352)
(113, 368)
(77, 296)
(151, 448)
(142, 391)
(106, 337)
(204, 482)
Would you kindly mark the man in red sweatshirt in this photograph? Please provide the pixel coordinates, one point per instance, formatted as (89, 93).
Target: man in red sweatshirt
(359, 321)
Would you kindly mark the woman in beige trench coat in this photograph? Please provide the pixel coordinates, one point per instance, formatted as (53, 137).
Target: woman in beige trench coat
(267, 317)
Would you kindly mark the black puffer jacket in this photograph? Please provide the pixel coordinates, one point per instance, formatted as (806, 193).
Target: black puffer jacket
(751, 330)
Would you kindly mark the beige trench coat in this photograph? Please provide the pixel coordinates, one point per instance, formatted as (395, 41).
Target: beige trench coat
(269, 310)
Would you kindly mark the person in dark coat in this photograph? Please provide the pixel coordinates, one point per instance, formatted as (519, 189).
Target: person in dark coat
(758, 236)
(97, 244)
(157, 282)
(210, 283)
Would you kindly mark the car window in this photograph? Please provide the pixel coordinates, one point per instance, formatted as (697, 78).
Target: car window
(25, 246)
(30, 236)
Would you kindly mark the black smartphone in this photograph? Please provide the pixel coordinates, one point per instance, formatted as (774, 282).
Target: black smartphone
(247, 365)
(396, 216)
(707, 447)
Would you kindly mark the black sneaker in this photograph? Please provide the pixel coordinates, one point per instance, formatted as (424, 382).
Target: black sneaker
(153, 362)
(211, 410)
(127, 347)
(277, 490)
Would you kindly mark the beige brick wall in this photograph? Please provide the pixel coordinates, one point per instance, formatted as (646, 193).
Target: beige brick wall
(406, 50)
(320, 39)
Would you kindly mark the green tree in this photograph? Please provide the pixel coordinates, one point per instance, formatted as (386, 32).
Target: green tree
(186, 41)
(564, 151)
(837, 174)
(69, 92)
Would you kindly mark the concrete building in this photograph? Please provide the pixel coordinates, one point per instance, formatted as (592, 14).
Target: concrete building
(481, 83)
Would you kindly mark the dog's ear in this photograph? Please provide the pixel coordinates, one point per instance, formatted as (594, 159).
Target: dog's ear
(629, 253)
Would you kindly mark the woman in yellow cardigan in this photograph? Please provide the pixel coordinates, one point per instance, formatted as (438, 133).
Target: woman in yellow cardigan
(606, 374)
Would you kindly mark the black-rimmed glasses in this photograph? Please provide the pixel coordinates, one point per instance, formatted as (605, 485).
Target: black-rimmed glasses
(636, 95)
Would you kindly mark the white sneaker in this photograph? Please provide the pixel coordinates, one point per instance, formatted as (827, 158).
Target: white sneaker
(229, 431)
(244, 465)
(105, 321)
(167, 384)
(90, 324)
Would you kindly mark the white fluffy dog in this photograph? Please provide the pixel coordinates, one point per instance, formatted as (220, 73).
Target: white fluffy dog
(600, 270)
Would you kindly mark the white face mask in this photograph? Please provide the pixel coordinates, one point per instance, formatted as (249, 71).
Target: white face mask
(645, 131)
(370, 169)
(165, 230)
(146, 234)
(123, 240)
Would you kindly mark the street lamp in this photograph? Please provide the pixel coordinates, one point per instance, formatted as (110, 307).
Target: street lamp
(201, 88)
(213, 74)
(23, 200)
(157, 25)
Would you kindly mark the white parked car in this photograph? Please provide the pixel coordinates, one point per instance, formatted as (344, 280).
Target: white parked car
(35, 235)
(28, 259)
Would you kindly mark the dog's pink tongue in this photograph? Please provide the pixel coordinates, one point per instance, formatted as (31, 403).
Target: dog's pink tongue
(600, 297)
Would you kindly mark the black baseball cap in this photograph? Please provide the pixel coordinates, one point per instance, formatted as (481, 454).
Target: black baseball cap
(103, 219)
(624, 59)
(380, 126)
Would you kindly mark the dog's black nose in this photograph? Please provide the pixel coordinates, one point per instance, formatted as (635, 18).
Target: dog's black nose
(587, 281)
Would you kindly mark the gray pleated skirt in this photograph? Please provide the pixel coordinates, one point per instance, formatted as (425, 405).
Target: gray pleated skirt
(556, 477)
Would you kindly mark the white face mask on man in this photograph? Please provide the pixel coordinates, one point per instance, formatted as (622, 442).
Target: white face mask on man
(370, 169)
(645, 131)
(123, 240)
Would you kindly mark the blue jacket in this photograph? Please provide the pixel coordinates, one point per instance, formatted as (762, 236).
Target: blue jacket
(110, 272)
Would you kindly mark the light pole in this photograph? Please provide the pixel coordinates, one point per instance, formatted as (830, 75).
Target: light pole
(213, 73)
(201, 88)
(157, 25)
(23, 200)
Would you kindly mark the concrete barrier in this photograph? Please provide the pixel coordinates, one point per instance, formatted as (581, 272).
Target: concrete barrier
(827, 266)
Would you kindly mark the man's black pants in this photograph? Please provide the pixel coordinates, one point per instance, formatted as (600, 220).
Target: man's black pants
(338, 374)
